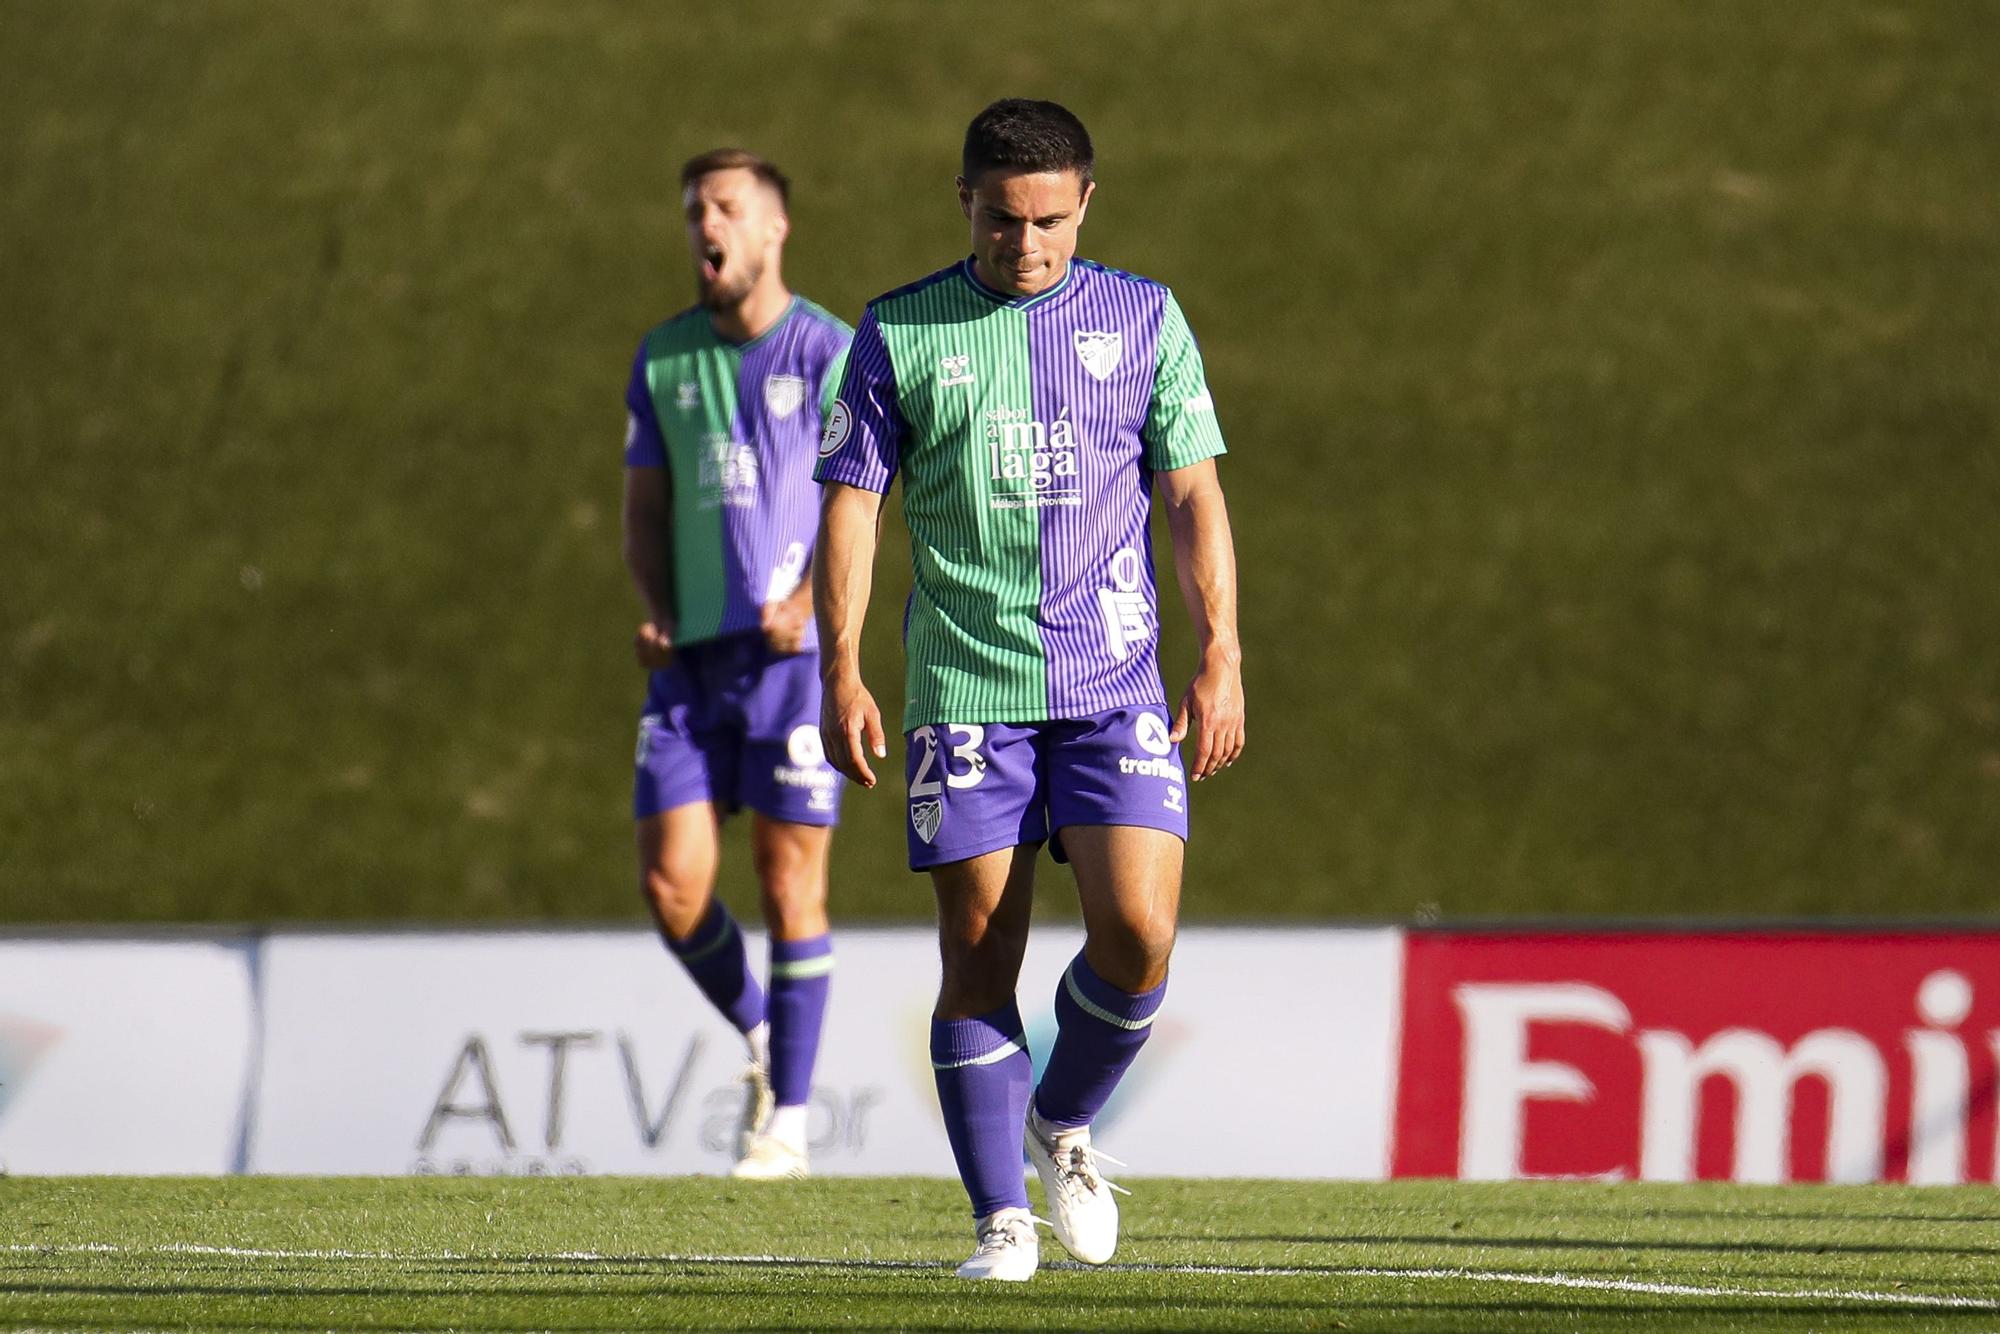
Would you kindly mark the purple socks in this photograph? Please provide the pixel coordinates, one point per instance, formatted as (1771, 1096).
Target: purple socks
(1099, 1029)
(801, 974)
(713, 956)
(983, 1078)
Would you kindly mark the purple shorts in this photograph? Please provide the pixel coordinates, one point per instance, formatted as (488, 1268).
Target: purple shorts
(732, 723)
(977, 788)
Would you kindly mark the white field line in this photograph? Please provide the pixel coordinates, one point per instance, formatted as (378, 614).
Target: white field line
(1572, 1282)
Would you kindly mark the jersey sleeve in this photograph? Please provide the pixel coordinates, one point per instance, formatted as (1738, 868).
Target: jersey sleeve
(644, 447)
(1180, 425)
(829, 379)
(863, 438)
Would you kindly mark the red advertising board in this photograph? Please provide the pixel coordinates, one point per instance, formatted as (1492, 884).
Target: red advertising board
(1768, 1056)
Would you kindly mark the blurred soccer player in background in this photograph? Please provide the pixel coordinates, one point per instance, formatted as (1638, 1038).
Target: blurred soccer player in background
(1035, 404)
(726, 401)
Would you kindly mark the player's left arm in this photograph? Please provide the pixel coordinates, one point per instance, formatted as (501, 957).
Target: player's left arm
(1182, 440)
(1211, 715)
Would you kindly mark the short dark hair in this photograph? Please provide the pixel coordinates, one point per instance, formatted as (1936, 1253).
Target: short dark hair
(730, 159)
(1020, 134)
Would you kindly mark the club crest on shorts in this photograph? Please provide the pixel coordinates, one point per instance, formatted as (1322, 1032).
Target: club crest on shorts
(647, 725)
(925, 817)
(1099, 351)
(783, 394)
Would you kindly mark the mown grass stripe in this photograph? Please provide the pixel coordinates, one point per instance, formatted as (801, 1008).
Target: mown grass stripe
(1574, 1282)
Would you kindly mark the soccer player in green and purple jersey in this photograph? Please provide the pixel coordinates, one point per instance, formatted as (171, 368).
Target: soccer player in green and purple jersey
(725, 403)
(1034, 404)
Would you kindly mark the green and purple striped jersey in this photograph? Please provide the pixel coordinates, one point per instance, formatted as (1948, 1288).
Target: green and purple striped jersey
(734, 426)
(1027, 432)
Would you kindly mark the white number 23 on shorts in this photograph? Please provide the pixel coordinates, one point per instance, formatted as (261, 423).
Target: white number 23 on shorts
(966, 751)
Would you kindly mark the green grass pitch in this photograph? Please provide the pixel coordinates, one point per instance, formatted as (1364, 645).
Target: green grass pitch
(621, 1254)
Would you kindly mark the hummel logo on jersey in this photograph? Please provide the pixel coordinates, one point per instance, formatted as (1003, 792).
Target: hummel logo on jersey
(1099, 351)
(1127, 612)
(925, 817)
(954, 370)
(688, 397)
(783, 394)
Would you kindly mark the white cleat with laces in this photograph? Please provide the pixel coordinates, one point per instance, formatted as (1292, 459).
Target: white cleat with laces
(1008, 1250)
(757, 1105)
(770, 1159)
(1082, 1209)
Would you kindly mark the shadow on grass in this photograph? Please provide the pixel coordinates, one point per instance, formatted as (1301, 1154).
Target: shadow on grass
(1463, 1239)
(1733, 1215)
(1462, 1314)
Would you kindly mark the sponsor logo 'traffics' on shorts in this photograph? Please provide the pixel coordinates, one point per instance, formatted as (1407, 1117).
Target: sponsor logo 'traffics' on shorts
(733, 723)
(975, 788)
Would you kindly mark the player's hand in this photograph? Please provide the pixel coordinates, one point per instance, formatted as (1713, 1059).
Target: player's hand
(850, 727)
(785, 624)
(653, 646)
(1211, 716)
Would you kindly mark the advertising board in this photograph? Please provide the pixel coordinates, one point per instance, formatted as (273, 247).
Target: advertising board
(124, 1056)
(591, 1052)
(1755, 1057)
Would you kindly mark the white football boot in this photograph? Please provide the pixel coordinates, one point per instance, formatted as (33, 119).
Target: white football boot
(769, 1159)
(757, 1104)
(1081, 1207)
(1008, 1250)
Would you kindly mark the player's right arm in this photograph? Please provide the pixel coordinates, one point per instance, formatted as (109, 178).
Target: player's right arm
(648, 514)
(859, 453)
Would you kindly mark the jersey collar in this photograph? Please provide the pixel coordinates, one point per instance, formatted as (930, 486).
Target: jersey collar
(1063, 284)
(791, 308)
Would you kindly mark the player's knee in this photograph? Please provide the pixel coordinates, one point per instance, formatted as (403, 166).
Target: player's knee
(969, 995)
(678, 896)
(1133, 959)
(781, 866)
(980, 972)
(792, 890)
(794, 908)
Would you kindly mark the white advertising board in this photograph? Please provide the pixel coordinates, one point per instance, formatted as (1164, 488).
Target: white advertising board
(123, 1056)
(591, 1052)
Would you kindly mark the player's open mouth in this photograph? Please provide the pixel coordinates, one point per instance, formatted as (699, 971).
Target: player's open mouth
(711, 263)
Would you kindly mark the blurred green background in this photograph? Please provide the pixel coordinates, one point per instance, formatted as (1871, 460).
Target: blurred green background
(1614, 394)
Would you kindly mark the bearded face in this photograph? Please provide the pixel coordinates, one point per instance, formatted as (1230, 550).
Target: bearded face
(735, 224)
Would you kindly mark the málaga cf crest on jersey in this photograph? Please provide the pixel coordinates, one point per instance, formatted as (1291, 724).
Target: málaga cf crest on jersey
(1016, 423)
